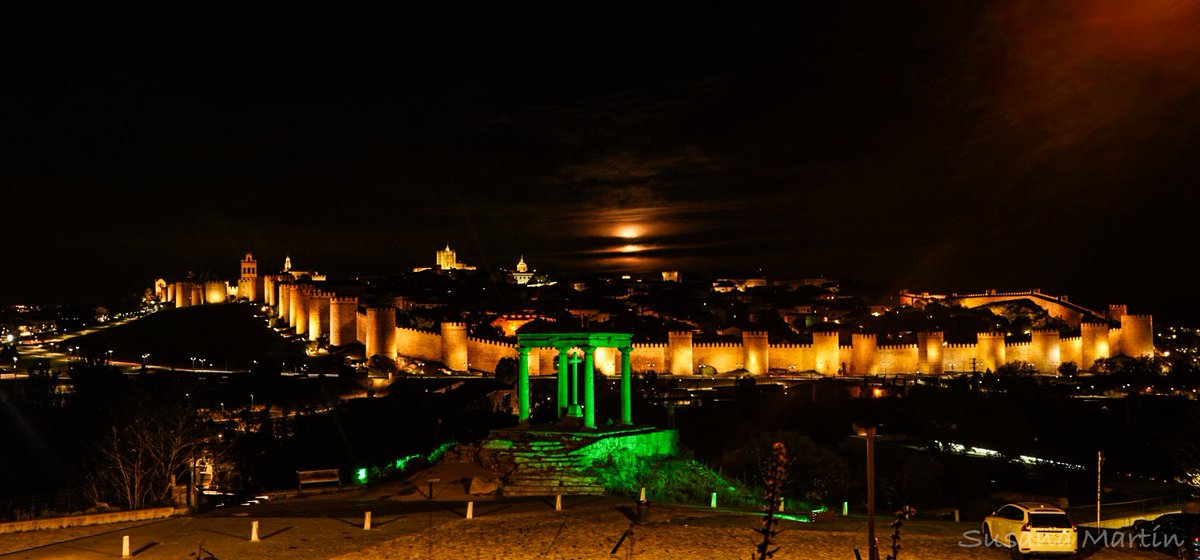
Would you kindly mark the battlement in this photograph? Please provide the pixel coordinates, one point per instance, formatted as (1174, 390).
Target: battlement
(898, 347)
(932, 334)
(637, 345)
(755, 334)
(680, 334)
(718, 345)
(960, 345)
(421, 331)
(1045, 332)
(791, 345)
(343, 299)
(453, 325)
(1140, 317)
(490, 342)
(1093, 324)
(981, 335)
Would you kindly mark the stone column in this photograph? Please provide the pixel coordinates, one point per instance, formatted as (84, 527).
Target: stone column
(562, 382)
(589, 387)
(627, 386)
(523, 385)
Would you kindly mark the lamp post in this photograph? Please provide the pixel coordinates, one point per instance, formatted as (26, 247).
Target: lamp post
(193, 358)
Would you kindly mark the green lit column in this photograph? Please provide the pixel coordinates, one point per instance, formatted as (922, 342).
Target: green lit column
(589, 387)
(562, 381)
(523, 384)
(627, 386)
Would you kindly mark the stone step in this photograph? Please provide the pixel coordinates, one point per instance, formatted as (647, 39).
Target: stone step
(547, 491)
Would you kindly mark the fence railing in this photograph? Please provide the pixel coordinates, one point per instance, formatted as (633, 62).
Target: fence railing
(49, 504)
(1113, 510)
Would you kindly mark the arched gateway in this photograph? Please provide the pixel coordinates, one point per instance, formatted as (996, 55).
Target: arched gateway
(568, 387)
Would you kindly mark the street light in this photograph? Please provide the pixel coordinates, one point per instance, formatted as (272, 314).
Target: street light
(193, 358)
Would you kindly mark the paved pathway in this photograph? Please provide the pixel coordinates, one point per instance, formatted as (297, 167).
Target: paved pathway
(330, 526)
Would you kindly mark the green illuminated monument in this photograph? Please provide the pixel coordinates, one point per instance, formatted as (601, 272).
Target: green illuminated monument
(568, 377)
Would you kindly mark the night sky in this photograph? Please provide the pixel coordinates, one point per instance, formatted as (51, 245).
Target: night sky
(931, 145)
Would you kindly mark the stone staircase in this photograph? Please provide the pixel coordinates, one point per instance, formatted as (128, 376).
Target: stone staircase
(541, 463)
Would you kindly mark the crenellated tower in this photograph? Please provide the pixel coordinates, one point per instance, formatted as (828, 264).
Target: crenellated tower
(1094, 344)
(1137, 336)
(827, 354)
(680, 353)
(990, 351)
(864, 354)
(929, 352)
(381, 332)
(318, 314)
(343, 320)
(454, 346)
(755, 352)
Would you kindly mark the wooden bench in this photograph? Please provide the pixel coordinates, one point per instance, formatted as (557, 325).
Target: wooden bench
(318, 477)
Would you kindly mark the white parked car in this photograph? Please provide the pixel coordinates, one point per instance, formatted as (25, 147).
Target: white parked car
(1031, 528)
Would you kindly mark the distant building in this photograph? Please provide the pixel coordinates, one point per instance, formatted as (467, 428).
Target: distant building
(447, 259)
(522, 276)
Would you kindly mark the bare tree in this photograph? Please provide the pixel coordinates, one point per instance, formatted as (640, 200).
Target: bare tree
(142, 453)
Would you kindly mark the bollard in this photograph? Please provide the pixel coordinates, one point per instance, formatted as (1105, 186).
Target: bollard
(714, 500)
(253, 531)
(845, 509)
(780, 505)
(125, 547)
(956, 516)
(470, 510)
(367, 522)
(642, 496)
(558, 502)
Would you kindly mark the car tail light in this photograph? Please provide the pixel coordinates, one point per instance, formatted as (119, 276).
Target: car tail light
(1025, 527)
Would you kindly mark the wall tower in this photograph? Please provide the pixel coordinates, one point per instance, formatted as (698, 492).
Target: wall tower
(318, 314)
(381, 332)
(864, 354)
(826, 352)
(1094, 344)
(990, 352)
(679, 353)
(1137, 336)
(343, 320)
(929, 351)
(454, 346)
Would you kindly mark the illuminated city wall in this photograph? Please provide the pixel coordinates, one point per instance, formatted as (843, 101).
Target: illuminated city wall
(722, 356)
(650, 357)
(793, 357)
(485, 354)
(897, 358)
(215, 292)
(318, 314)
(419, 344)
